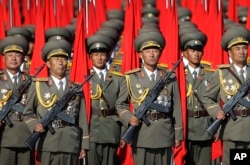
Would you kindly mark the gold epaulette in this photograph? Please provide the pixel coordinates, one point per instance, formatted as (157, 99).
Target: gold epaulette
(133, 71)
(163, 66)
(40, 79)
(206, 62)
(116, 73)
(223, 66)
(209, 69)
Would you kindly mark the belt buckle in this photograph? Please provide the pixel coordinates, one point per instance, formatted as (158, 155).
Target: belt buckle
(154, 115)
(196, 114)
(243, 112)
(57, 124)
(103, 113)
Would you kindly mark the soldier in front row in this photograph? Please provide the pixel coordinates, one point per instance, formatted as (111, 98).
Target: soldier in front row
(69, 142)
(12, 148)
(225, 83)
(152, 145)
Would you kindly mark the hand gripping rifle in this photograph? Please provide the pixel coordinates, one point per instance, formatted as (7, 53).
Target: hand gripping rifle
(11, 104)
(149, 103)
(56, 111)
(229, 105)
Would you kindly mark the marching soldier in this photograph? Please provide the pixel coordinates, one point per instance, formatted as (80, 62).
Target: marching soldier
(225, 83)
(152, 145)
(70, 140)
(199, 142)
(12, 148)
(105, 127)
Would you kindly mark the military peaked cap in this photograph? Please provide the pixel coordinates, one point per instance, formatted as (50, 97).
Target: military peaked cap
(58, 33)
(99, 43)
(149, 39)
(194, 40)
(14, 43)
(56, 48)
(20, 31)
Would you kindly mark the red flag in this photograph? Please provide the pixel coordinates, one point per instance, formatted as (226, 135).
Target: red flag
(49, 14)
(232, 10)
(100, 13)
(111, 4)
(29, 12)
(169, 30)
(16, 14)
(67, 12)
(39, 42)
(91, 25)
(130, 59)
(79, 68)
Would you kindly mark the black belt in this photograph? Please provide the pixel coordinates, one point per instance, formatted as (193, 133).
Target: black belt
(16, 116)
(197, 113)
(242, 112)
(103, 112)
(157, 115)
(59, 124)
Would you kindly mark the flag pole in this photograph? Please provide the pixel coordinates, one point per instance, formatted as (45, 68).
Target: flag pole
(11, 14)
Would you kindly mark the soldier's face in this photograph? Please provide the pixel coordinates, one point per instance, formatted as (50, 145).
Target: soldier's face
(238, 54)
(57, 66)
(99, 59)
(13, 60)
(193, 56)
(150, 57)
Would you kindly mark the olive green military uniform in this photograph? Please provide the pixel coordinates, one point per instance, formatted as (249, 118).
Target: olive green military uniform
(12, 148)
(225, 83)
(64, 146)
(105, 127)
(199, 141)
(68, 138)
(164, 128)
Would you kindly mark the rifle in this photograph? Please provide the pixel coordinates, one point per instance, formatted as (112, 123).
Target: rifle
(149, 103)
(56, 111)
(15, 97)
(229, 105)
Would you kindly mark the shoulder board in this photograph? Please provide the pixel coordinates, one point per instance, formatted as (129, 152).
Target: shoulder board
(209, 69)
(116, 73)
(222, 66)
(206, 62)
(40, 79)
(133, 71)
(162, 66)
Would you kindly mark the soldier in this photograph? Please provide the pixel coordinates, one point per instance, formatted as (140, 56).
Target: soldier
(70, 140)
(152, 145)
(225, 83)
(105, 127)
(199, 142)
(27, 34)
(12, 148)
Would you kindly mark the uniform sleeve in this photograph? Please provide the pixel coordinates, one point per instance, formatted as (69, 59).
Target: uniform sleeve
(30, 117)
(210, 98)
(122, 105)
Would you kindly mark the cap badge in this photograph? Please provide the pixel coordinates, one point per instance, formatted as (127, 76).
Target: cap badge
(150, 42)
(196, 42)
(58, 37)
(59, 50)
(240, 39)
(13, 46)
(98, 45)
